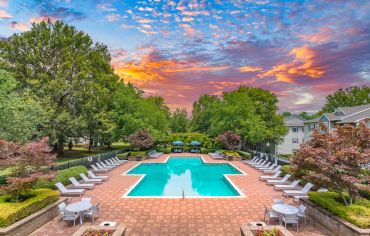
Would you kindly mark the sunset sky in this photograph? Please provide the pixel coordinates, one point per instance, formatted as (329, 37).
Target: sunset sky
(300, 50)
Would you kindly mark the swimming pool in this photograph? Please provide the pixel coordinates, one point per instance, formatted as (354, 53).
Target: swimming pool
(188, 176)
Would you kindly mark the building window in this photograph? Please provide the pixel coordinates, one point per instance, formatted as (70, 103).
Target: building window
(295, 129)
(294, 140)
(311, 127)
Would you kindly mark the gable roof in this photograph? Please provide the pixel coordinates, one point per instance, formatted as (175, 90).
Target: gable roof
(351, 114)
(350, 110)
(294, 120)
(356, 117)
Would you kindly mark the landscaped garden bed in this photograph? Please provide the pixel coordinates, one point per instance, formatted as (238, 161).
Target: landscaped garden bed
(328, 209)
(100, 231)
(11, 212)
(273, 230)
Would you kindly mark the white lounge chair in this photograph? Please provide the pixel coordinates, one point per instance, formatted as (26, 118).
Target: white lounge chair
(266, 165)
(279, 181)
(273, 171)
(114, 161)
(93, 176)
(301, 192)
(250, 161)
(267, 168)
(98, 169)
(77, 184)
(119, 161)
(69, 192)
(92, 181)
(262, 164)
(109, 163)
(257, 163)
(270, 177)
(290, 186)
(103, 165)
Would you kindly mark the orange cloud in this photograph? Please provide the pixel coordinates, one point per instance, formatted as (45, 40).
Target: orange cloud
(189, 69)
(304, 64)
(189, 31)
(4, 14)
(324, 35)
(250, 68)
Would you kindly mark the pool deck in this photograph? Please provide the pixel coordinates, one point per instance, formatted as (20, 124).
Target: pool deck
(174, 216)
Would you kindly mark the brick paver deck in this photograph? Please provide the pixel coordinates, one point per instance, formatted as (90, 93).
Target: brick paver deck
(193, 216)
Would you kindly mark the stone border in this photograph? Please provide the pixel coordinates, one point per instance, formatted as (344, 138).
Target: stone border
(333, 224)
(247, 230)
(118, 230)
(32, 222)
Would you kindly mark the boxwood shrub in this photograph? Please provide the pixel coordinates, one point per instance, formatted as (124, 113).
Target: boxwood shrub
(122, 156)
(63, 177)
(12, 212)
(357, 213)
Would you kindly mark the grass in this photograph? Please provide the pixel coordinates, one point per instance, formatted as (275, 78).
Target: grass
(79, 151)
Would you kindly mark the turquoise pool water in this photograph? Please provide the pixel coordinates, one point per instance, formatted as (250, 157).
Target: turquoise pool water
(184, 175)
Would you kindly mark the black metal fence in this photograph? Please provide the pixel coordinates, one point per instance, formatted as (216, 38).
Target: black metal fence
(88, 161)
(85, 161)
(270, 157)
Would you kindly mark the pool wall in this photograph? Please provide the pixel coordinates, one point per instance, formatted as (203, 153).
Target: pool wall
(141, 176)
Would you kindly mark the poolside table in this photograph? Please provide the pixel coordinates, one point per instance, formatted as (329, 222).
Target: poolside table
(285, 209)
(79, 207)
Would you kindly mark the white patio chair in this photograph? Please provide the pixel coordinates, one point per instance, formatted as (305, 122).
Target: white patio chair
(93, 212)
(268, 168)
(86, 199)
(77, 184)
(302, 213)
(278, 201)
(283, 180)
(120, 161)
(289, 219)
(62, 208)
(270, 214)
(93, 176)
(71, 216)
(69, 192)
(265, 166)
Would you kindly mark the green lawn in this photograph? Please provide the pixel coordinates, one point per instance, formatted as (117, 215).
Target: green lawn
(80, 151)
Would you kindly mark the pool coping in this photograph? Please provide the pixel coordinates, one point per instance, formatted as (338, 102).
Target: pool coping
(141, 176)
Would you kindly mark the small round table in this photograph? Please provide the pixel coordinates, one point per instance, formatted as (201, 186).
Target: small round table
(79, 207)
(285, 209)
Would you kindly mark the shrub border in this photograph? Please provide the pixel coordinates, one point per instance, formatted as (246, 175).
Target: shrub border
(34, 221)
(334, 224)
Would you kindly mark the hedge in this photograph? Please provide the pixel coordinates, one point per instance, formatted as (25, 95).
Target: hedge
(12, 212)
(357, 213)
(285, 169)
(245, 155)
(166, 150)
(62, 176)
(122, 156)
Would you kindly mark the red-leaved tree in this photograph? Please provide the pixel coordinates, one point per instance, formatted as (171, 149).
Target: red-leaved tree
(27, 163)
(335, 160)
(141, 139)
(229, 140)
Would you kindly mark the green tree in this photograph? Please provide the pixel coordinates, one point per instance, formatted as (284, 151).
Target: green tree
(202, 112)
(21, 116)
(349, 97)
(64, 69)
(286, 113)
(179, 121)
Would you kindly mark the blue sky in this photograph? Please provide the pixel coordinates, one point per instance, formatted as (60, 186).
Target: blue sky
(300, 50)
